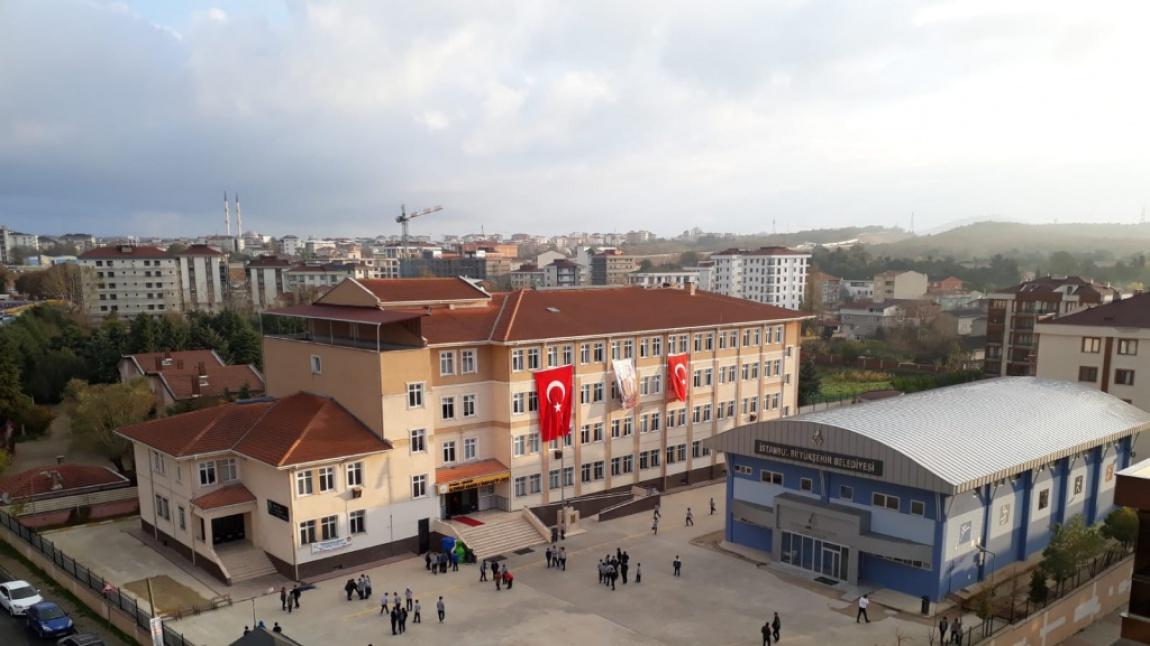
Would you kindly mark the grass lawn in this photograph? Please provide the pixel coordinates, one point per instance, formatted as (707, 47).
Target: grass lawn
(840, 383)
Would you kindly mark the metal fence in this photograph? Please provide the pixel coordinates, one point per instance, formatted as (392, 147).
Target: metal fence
(114, 598)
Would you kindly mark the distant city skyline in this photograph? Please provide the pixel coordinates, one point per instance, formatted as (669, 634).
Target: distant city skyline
(132, 118)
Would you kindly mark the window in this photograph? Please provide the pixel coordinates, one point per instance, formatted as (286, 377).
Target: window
(521, 486)
(355, 474)
(597, 392)
(1078, 483)
(1044, 499)
(585, 353)
(415, 395)
(316, 365)
(357, 522)
(1128, 346)
(616, 466)
(307, 532)
(418, 440)
(743, 469)
(883, 500)
(599, 349)
(534, 483)
(1124, 377)
(771, 477)
(846, 493)
(467, 362)
(598, 466)
(533, 442)
(585, 472)
(449, 451)
(917, 508)
(519, 403)
(568, 354)
(533, 358)
(656, 346)
(446, 363)
(628, 348)
(303, 483)
(447, 404)
(329, 527)
(207, 474)
(806, 484)
(516, 360)
(552, 356)
(470, 448)
(227, 469)
(532, 402)
(162, 509)
(1088, 373)
(419, 486)
(1091, 344)
(183, 517)
(158, 463)
(519, 445)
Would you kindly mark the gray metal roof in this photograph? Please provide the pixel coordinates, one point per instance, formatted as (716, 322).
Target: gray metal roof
(969, 434)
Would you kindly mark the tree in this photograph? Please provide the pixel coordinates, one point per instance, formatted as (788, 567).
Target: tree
(646, 265)
(14, 404)
(97, 410)
(688, 259)
(809, 381)
(177, 247)
(1038, 590)
(5, 460)
(1121, 525)
(142, 334)
(1072, 545)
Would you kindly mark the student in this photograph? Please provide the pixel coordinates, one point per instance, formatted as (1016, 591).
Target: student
(548, 557)
(956, 631)
(943, 625)
(276, 628)
(284, 596)
(655, 527)
(623, 570)
(638, 573)
(295, 593)
(508, 578)
(366, 586)
(416, 619)
(427, 560)
(690, 518)
(402, 620)
(483, 571)
(766, 630)
(360, 587)
(776, 626)
(713, 513)
(395, 619)
(440, 609)
(563, 558)
(349, 587)
(678, 565)
(863, 603)
(386, 603)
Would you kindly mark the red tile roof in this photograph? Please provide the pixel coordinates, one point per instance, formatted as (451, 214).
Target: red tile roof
(125, 251)
(489, 467)
(181, 375)
(355, 314)
(415, 290)
(35, 481)
(201, 250)
(1130, 312)
(233, 494)
(293, 430)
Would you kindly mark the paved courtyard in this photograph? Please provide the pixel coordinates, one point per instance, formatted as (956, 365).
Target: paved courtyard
(720, 599)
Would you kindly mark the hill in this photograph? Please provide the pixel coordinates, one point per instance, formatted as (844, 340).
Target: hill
(985, 239)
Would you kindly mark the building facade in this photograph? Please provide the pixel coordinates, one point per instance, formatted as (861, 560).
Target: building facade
(902, 285)
(127, 280)
(1133, 491)
(1013, 313)
(771, 275)
(564, 273)
(611, 267)
(677, 279)
(181, 377)
(267, 281)
(528, 276)
(203, 278)
(927, 493)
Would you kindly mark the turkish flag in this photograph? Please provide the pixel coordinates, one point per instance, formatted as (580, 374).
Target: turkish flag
(554, 388)
(677, 376)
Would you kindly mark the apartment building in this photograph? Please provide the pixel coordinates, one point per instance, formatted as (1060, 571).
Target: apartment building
(611, 267)
(678, 279)
(1106, 347)
(127, 280)
(305, 280)
(10, 240)
(901, 285)
(564, 273)
(267, 281)
(203, 272)
(1012, 314)
(442, 371)
(771, 275)
(289, 245)
(528, 276)
(827, 290)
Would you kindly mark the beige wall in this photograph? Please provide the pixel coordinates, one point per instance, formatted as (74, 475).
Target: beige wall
(351, 376)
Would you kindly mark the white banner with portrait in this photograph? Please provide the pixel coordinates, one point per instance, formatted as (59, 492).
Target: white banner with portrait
(626, 383)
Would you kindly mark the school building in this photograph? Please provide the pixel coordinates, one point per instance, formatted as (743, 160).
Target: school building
(927, 493)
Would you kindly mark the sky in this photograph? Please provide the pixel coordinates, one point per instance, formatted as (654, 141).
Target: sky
(550, 117)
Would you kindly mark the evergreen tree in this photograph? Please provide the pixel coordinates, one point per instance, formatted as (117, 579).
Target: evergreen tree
(809, 381)
(142, 334)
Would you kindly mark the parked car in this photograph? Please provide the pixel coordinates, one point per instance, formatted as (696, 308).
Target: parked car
(47, 619)
(81, 639)
(17, 596)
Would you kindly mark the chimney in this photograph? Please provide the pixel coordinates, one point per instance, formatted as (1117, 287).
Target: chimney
(195, 387)
(159, 363)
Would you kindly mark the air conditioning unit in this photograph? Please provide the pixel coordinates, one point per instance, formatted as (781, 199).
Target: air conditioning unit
(356, 492)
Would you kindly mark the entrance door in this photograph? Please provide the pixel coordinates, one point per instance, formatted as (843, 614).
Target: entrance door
(832, 557)
(227, 529)
(462, 502)
(424, 534)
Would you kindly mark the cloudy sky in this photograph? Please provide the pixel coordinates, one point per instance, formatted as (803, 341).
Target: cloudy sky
(134, 117)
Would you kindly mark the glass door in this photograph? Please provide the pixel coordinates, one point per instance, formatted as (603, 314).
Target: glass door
(832, 557)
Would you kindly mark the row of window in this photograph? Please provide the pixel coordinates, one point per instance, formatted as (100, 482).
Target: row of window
(1093, 345)
(467, 362)
(328, 527)
(1122, 377)
(307, 480)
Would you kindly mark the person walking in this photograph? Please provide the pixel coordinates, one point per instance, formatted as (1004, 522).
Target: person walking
(427, 560)
(863, 603)
(359, 587)
(454, 561)
(407, 595)
(395, 620)
(655, 527)
(495, 569)
(548, 557)
(690, 518)
(483, 571)
(678, 566)
(416, 619)
(284, 596)
(402, 620)
(563, 557)
(713, 512)
(638, 573)
(498, 579)
(943, 625)
(623, 571)
(348, 587)
(766, 630)
(295, 593)
(612, 574)
(385, 603)
(776, 626)
(508, 578)
(440, 609)
(366, 586)
(956, 631)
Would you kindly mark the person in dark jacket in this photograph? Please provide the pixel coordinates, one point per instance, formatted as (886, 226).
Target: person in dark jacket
(766, 630)
(349, 588)
(776, 626)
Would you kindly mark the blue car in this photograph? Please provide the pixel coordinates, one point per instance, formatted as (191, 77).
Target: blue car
(46, 619)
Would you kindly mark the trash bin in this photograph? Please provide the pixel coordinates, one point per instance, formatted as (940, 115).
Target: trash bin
(926, 605)
(448, 544)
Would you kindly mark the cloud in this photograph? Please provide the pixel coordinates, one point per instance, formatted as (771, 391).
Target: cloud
(553, 117)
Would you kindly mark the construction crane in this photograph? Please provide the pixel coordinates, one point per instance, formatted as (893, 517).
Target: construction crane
(405, 217)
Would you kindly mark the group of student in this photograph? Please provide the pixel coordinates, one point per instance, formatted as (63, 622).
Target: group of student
(502, 576)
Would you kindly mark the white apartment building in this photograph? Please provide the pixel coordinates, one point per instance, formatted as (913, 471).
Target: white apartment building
(203, 272)
(858, 290)
(127, 280)
(289, 245)
(267, 282)
(679, 279)
(771, 275)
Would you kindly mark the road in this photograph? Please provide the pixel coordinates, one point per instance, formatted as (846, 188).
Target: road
(12, 628)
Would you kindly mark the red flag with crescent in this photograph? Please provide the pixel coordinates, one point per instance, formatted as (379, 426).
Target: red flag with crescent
(554, 389)
(677, 376)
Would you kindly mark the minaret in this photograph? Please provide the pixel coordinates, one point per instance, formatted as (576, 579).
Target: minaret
(239, 226)
(227, 216)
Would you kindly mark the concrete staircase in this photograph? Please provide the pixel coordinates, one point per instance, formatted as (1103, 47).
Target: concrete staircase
(243, 561)
(502, 537)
